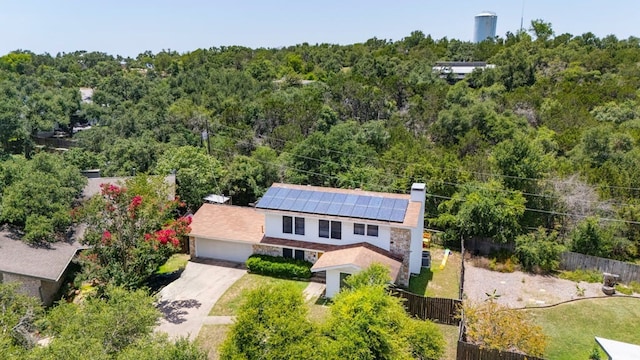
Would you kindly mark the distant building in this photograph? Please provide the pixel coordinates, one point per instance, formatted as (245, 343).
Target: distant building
(485, 26)
(457, 70)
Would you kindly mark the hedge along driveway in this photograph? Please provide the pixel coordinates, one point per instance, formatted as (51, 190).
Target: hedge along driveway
(186, 302)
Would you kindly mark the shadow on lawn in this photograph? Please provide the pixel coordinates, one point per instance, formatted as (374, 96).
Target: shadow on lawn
(418, 284)
(174, 311)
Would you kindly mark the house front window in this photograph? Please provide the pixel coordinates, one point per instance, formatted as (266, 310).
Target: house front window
(358, 229)
(287, 224)
(372, 230)
(299, 226)
(330, 229)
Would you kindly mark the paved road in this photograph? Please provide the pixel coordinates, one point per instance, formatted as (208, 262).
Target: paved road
(186, 302)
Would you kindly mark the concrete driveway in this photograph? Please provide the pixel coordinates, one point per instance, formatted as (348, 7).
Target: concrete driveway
(186, 302)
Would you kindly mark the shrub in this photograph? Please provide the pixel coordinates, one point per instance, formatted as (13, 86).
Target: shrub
(539, 251)
(590, 276)
(622, 289)
(279, 267)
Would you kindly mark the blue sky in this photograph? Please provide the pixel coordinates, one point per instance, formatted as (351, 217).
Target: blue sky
(128, 28)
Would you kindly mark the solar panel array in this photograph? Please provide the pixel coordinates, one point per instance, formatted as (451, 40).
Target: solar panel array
(336, 204)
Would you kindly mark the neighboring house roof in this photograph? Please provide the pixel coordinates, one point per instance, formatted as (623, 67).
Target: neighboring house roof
(618, 350)
(93, 185)
(355, 205)
(18, 258)
(228, 222)
(361, 257)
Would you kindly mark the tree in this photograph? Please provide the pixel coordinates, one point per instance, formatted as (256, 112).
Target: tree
(493, 326)
(539, 251)
(117, 326)
(271, 324)
(130, 231)
(39, 194)
(18, 314)
(484, 210)
(197, 174)
(592, 238)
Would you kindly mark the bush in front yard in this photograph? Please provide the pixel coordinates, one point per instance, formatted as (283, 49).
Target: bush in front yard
(279, 267)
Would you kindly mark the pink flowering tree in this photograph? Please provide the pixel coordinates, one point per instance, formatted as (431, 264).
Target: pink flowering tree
(131, 231)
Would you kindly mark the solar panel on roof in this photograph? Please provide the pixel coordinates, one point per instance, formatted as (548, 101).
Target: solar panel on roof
(315, 195)
(351, 199)
(334, 203)
(388, 203)
(334, 208)
(371, 213)
(346, 210)
(397, 215)
(375, 201)
(310, 206)
(384, 214)
(358, 211)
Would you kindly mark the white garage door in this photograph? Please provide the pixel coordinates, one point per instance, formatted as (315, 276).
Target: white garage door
(223, 250)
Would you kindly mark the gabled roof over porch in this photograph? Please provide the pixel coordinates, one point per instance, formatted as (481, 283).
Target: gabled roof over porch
(360, 257)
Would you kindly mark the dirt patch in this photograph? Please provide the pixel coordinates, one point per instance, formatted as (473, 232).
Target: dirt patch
(518, 289)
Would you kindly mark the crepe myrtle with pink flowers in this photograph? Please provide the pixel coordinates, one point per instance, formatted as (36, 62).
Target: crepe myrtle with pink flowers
(130, 233)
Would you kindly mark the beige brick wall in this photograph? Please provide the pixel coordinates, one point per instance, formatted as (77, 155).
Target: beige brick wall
(401, 245)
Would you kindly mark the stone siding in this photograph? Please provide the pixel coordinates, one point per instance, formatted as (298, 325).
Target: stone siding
(49, 291)
(267, 250)
(192, 247)
(401, 245)
(311, 256)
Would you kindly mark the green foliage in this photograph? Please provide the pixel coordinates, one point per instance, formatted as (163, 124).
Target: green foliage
(18, 316)
(484, 210)
(590, 276)
(279, 267)
(591, 238)
(130, 231)
(539, 251)
(271, 324)
(38, 195)
(374, 275)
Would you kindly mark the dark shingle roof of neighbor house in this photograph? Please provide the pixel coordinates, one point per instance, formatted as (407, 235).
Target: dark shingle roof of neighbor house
(18, 258)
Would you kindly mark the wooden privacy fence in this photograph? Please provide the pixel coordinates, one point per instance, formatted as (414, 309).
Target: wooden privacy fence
(468, 351)
(442, 310)
(628, 272)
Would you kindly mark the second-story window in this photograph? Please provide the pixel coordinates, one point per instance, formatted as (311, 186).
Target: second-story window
(299, 226)
(372, 230)
(358, 229)
(330, 229)
(287, 224)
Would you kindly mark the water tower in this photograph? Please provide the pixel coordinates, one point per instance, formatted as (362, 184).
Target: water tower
(485, 26)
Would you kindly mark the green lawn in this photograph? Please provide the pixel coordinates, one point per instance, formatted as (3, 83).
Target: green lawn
(450, 334)
(210, 338)
(175, 263)
(228, 304)
(435, 282)
(572, 327)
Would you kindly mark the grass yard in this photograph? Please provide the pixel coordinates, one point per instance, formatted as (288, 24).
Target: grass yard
(210, 338)
(435, 282)
(450, 334)
(230, 301)
(571, 327)
(175, 263)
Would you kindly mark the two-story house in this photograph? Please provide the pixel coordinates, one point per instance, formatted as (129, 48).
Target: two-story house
(340, 231)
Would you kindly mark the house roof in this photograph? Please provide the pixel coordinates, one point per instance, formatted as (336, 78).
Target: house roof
(360, 256)
(308, 245)
(228, 222)
(47, 263)
(356, 205)
(93, 184)
(618, 350)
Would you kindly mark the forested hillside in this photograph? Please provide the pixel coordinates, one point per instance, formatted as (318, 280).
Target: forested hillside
(548, 138)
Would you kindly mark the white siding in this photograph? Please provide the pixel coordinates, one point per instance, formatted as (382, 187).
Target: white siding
(273, 228)
(333, 283)
(223, 250)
